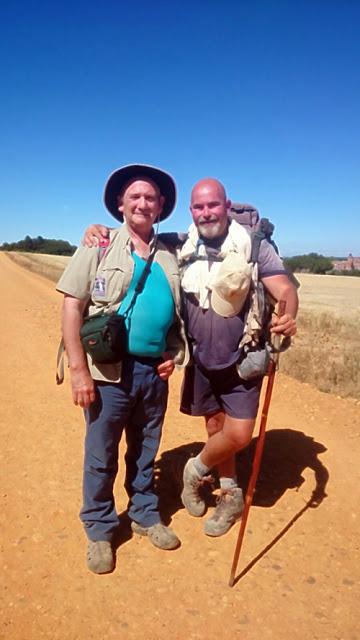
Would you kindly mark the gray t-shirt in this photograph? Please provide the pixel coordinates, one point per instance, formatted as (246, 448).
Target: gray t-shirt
(215, 339)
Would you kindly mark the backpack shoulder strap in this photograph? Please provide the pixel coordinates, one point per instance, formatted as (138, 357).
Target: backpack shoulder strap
(264, 231)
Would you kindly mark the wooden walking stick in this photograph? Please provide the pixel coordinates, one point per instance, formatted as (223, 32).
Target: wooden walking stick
(258, 450)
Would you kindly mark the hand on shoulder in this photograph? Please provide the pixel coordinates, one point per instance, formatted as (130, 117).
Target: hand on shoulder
(95, 235)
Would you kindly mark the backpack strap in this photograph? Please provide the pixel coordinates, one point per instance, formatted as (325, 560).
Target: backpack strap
(263, 232)
(141, 283)
(60, 368)
(196, 258)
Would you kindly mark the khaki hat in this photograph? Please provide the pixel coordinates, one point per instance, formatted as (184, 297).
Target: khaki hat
(231, 285)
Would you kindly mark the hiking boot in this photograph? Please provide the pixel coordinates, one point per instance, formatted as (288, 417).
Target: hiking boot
(159, 535)
(190, 496)
(228, 510)
(100, 557)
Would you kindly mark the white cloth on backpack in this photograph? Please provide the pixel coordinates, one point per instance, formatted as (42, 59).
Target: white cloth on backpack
(199, 275)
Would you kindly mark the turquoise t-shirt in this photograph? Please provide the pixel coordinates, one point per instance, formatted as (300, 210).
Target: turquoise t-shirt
(153, 312)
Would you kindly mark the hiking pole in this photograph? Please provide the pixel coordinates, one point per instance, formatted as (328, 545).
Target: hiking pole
(259, 448)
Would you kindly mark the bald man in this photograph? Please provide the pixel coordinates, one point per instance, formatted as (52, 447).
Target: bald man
(212, 385)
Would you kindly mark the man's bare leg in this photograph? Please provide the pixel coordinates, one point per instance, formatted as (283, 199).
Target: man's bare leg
(214, 423)
(219, 451)
(234, 436)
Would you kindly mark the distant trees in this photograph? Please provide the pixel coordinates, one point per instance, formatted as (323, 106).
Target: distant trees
(310, 263)
(40, 245)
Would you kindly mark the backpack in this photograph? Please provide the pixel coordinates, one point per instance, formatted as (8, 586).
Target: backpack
(255, 343)
(259, 228)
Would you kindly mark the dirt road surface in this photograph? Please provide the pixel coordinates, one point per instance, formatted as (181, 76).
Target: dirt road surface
(299, 567)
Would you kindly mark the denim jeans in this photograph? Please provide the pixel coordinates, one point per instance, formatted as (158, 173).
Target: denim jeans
(137, 405)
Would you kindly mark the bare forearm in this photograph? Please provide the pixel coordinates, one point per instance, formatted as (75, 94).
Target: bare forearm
(280, 288)
(72, 319)
(288, 293)
(82, 384)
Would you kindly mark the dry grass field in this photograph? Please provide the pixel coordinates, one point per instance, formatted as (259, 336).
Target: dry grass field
(326, 350)
(50, 267)
(337, 295)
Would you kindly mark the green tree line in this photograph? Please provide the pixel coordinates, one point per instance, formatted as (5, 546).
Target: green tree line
(311, 263)
(40, 245)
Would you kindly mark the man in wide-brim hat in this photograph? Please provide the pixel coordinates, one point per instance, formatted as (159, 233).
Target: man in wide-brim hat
(130, 395)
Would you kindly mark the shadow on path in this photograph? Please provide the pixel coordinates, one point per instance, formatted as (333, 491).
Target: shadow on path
(287, 453)
(308, 505)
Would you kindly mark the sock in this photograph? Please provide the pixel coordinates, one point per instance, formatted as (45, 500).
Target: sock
(228, 483)
(200, 467)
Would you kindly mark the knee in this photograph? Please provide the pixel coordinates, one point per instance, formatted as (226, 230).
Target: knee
(214, 424)
(239, 432)
(240, 441)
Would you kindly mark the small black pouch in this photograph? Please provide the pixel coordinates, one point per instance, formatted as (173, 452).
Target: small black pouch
(104, 337)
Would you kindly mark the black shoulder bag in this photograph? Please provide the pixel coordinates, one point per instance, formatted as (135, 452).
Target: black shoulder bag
(104, 336)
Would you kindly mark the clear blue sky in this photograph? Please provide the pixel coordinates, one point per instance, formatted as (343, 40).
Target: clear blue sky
(262, 94)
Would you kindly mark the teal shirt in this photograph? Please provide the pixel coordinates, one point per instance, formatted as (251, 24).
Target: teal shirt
(153, 312)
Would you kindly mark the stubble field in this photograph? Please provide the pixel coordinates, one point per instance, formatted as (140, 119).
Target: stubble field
(326, 350)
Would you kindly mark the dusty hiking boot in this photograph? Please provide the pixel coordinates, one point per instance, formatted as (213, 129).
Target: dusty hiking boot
(159, 535)
(100, 557)
(229, 509)
(190, 496)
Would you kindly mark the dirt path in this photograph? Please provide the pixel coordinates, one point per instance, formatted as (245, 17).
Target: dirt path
(305, 584)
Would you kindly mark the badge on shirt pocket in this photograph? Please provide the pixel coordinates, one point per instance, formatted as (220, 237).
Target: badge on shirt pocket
(99, 289)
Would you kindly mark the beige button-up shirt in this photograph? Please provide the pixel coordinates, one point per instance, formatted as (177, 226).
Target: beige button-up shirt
(104, 283)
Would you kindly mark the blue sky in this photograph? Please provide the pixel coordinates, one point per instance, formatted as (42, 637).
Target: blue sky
(264, 95)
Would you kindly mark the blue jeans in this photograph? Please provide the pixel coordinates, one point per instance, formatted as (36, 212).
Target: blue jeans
(136, 404)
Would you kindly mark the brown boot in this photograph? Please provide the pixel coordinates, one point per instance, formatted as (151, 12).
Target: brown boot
(228, 510)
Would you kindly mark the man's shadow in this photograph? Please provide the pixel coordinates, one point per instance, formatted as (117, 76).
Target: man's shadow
(287, 453)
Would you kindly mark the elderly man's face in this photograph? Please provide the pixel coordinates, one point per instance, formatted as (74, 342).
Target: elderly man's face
(141, 204)
(209, 208)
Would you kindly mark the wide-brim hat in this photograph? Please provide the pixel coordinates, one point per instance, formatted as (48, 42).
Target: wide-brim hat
(231, 285)
(120, 177)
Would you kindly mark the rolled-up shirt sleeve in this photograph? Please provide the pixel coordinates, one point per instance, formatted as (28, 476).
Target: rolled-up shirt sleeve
(78, 277)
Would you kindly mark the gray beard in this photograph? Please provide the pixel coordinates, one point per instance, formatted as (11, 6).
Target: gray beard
(208, 232)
